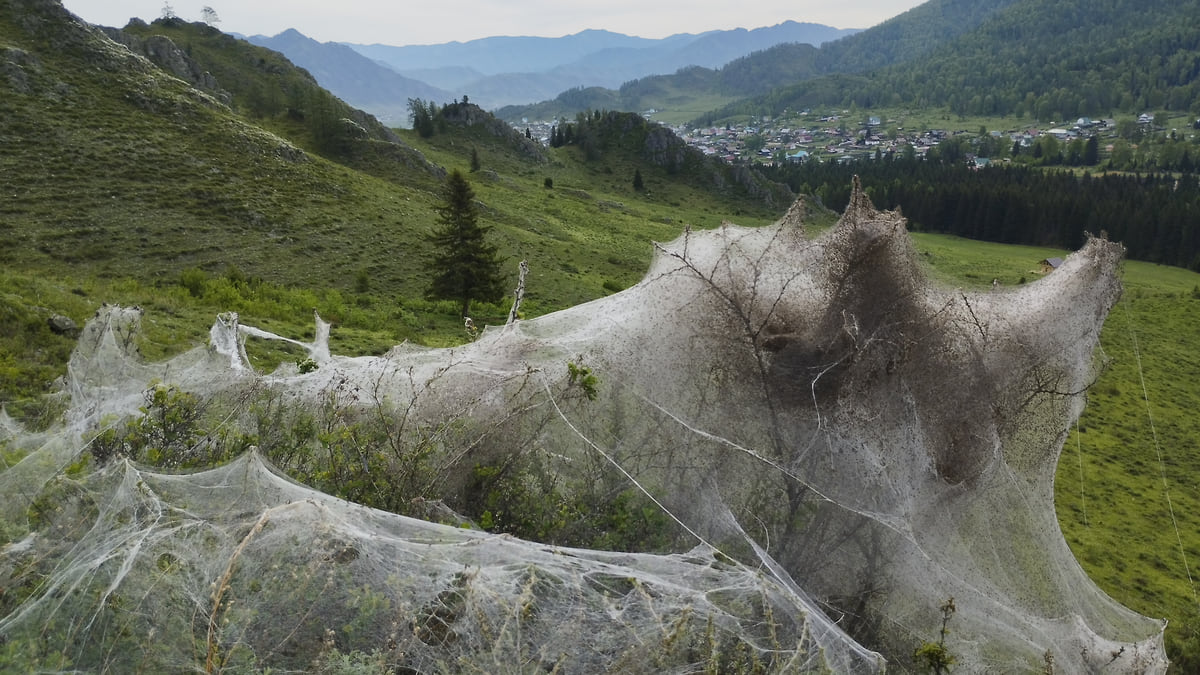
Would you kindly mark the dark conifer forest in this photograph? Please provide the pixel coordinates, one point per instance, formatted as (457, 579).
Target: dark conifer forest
(1155, 215)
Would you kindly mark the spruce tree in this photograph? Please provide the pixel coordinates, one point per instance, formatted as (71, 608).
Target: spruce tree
(467, 267)
(1091, 152)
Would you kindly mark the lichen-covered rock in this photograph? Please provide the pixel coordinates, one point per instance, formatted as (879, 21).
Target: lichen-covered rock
(18, 68)
(63, 325)
(164, 53)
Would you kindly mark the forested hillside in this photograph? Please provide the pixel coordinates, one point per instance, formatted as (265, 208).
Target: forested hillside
(1043, 60)
(599, 133)
(919, 31)
(1026, 58)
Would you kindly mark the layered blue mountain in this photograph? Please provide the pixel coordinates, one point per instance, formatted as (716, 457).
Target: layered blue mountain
(498, 71)
(352, 77)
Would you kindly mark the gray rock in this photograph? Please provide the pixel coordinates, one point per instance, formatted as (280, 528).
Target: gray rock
(163, 52)
(16, 65)
(63, 325)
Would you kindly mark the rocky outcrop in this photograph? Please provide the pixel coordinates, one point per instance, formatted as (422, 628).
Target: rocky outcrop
(663, 148)
(165, 54)
(61, 32)
(17, 68)
(469, 114)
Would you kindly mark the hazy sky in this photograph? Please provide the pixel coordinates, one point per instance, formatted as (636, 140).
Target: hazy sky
(434, 21)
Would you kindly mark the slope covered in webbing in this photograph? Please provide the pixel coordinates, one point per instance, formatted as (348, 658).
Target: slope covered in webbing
(848, 444)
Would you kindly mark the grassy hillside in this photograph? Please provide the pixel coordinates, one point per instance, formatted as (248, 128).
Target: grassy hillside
(120, 179)
(1126, 491)
(116, 167)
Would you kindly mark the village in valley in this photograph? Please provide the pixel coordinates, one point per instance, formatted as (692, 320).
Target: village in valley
(847, 135)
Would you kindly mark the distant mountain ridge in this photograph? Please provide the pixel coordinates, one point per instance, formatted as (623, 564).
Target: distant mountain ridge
(747, 76)
(1034, 59)
(498, 71)
(351, 77)
(507, 54)
(502, 55)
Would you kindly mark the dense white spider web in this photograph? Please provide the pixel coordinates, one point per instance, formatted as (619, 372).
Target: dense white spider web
(848, 444)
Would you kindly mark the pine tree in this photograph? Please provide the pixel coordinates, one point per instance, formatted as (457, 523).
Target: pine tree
(467, 265)
(637, 180)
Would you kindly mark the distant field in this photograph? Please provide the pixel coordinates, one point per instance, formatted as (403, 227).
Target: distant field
(679, 110)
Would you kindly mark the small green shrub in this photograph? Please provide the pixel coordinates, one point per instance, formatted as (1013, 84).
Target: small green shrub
(362, 281)
(934, 657)
(520, 496)
(585, 378)
(168, 433)
(195, 280)
(10, 532)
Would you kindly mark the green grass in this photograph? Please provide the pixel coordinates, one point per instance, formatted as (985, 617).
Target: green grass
(1128, 500)
(964, 262)
(681, 107)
